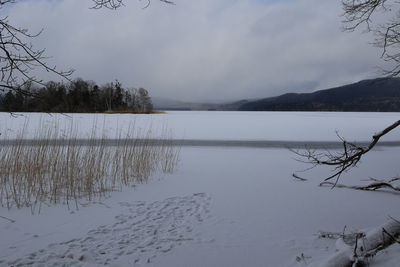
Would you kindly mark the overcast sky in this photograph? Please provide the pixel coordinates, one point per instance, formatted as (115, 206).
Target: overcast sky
(207, 50)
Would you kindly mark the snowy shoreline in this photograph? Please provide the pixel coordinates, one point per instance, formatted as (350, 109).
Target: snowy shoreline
(227, 205)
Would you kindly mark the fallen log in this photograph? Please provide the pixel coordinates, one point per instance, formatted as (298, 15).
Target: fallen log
(366, 247)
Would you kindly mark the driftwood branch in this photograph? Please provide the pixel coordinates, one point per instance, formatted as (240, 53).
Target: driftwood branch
(373, 186)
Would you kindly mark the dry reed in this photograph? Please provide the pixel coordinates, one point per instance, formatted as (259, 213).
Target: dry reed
(62, 169)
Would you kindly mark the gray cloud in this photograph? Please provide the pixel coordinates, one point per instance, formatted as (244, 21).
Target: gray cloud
(209, 50)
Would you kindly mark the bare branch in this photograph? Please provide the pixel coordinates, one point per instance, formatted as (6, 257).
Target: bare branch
(357, 12)
(299, 178)
(18, 57)
(115, 4)
(110, 4)
(387, 34)
(344, 160)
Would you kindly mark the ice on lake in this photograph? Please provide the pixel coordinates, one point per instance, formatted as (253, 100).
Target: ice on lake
(211, 125)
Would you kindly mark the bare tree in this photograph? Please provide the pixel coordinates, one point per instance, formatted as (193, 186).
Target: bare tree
(358, 13)
(387, 37)
(19, 59)
(370, 13)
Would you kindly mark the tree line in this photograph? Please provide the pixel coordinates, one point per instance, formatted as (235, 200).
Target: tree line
(76, 96)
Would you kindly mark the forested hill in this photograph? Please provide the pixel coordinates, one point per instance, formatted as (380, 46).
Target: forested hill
(76, 96)
(381, 94)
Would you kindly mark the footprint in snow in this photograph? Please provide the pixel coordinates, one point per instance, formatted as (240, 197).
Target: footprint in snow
(140, 234)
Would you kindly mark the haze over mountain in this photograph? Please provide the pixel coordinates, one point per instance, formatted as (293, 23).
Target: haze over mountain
(381, 94)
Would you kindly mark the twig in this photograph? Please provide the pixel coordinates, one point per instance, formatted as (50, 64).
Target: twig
(298, 177)
(8, 219)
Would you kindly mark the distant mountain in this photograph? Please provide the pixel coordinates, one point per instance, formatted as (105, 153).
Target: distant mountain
(382, 94)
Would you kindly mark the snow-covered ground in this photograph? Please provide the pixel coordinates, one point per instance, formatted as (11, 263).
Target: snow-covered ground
(224, 206)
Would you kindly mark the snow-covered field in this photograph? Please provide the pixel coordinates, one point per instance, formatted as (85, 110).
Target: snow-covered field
(224, 206)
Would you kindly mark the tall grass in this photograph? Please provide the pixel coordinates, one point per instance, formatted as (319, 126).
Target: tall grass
(54, 168)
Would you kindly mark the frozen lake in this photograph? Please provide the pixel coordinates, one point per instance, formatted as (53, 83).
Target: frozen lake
(224, 206)
(208, 125)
